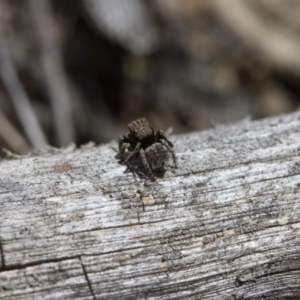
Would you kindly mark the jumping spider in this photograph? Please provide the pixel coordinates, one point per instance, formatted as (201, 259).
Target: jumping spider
(142, 140)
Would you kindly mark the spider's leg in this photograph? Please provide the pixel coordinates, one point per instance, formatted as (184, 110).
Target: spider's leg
(124, 139)
(122, 150)
(160, 135)
(123, 145)
(146, 164)
(170, 149)
(134, 153)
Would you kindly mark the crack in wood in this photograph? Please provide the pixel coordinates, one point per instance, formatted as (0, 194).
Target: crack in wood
(35, 263)
(252, 277)
(2, 256)
(104, 228)
(87, 279)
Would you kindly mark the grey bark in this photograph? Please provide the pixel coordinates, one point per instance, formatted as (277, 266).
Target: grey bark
(224, 225)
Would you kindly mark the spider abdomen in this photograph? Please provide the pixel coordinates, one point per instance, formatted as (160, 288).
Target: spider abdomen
(157, 156)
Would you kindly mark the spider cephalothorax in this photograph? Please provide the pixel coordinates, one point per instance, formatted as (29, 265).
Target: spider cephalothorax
(143, 141)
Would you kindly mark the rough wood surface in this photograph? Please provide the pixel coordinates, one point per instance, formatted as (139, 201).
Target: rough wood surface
(225, 225)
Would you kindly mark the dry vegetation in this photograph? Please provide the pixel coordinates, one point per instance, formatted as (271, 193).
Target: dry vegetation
(74, 71)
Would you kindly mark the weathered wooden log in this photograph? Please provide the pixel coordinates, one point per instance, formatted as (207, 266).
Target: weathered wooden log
(224, 225)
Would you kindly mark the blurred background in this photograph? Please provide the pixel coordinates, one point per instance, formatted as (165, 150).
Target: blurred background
(80, 70)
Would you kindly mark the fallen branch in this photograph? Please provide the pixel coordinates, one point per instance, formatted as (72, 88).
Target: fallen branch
(224, 225)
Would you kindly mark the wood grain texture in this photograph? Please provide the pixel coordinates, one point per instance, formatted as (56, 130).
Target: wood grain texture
(224, 225)
(60, 280)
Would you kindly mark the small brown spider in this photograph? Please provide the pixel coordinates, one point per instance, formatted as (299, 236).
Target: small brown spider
(142, 140)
